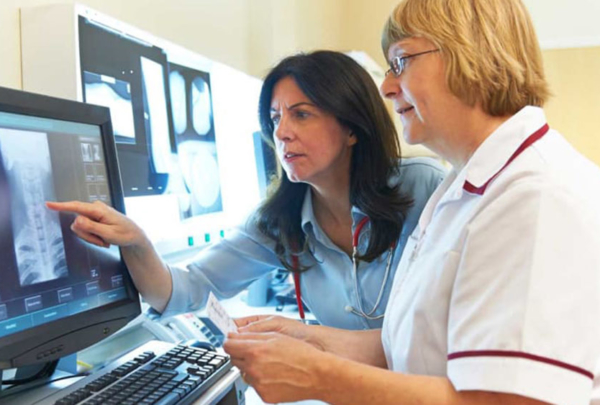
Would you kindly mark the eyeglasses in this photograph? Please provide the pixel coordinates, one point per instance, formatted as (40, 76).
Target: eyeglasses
(398, 64)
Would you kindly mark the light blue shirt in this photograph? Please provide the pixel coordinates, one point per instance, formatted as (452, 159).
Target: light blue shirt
(232, 264)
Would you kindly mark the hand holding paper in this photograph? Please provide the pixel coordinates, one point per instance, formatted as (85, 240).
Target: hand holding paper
(218, 315)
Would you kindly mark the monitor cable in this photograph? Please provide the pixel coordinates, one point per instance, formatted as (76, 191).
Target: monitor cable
(45, 371)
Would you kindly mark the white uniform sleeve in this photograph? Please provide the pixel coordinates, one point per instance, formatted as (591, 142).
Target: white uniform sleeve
(225, 268)
(525, 309)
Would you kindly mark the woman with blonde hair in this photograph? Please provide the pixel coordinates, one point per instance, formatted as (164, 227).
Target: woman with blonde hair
(497, 297)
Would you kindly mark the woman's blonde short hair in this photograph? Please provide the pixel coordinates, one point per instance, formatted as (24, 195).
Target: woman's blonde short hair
(490, 48)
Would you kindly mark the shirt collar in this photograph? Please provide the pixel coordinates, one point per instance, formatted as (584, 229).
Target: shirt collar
(307, 214)
(487, 162)
(503, 145)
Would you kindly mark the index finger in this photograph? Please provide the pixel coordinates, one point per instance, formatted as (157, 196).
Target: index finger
(77, 207)
(237, 345)
(250, 336)
(247, 320)
(267, 324)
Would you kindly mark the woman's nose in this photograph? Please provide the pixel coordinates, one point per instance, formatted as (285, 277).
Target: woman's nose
(283, 130)
(389, 87)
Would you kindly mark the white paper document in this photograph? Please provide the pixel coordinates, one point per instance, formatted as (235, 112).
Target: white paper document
(219, 316)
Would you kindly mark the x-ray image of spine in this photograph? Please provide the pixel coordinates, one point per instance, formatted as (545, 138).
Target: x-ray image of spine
(38, 241)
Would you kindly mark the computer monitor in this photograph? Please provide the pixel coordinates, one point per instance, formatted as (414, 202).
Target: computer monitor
(58, 294)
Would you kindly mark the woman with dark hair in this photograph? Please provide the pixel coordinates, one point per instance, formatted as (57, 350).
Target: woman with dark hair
(341, 156)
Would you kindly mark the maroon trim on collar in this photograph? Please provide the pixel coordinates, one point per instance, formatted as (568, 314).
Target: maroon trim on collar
(537, 135)
(506, 353)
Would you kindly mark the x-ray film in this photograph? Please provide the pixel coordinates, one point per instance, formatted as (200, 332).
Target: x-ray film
(178, 102)
(116, 95)
(154, 86)
(201, 106)
(191, 103)
(38, 241)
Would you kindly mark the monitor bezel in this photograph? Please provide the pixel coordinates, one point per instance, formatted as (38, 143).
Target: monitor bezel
(53, 340)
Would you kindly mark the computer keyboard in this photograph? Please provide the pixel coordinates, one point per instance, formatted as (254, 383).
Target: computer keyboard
(156, 373)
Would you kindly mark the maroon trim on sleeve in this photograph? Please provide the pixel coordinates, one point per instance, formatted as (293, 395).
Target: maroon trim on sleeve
(506, 353)
(537, 135)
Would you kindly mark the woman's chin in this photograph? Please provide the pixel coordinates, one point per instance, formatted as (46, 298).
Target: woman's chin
(409, 139)
(293, 178)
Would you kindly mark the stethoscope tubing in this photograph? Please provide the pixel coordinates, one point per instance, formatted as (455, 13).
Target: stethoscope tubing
(360, 311)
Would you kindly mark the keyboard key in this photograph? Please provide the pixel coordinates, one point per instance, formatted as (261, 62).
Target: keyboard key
(168, 399)
(180, 377)
(216, 362)
(180, 392)
(66, 401)
(148, 368)
(154, 397)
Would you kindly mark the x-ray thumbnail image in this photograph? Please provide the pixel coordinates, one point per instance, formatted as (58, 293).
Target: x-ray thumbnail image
(86, 152)
(100, 172)
(97, 154)
(89, 172)
(92, 192)
(38, 242)
(102, 192)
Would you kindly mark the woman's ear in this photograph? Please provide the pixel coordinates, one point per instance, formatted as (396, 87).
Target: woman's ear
(352, 139)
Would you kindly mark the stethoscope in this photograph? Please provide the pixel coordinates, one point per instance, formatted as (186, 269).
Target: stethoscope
(348, 308)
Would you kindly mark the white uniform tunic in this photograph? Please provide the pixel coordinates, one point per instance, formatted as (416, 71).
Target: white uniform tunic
(498, 288)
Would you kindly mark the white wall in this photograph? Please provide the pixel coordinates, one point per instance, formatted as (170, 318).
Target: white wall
(566, 23)
(279, 28)
(251, 35)
(559, 23)
(215, 28)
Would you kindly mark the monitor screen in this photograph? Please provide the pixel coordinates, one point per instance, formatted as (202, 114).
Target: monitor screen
(58, 293)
